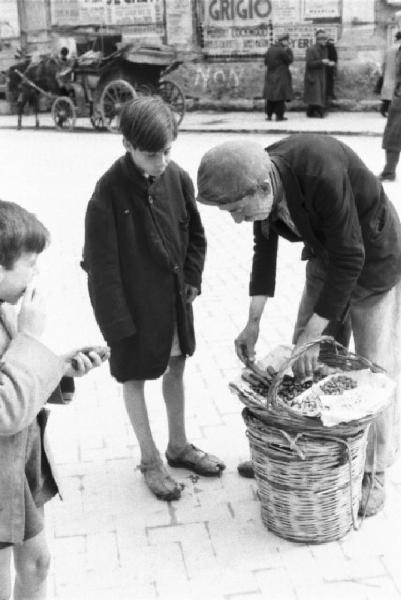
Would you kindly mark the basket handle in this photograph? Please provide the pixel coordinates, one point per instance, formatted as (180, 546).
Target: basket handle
(296, 354)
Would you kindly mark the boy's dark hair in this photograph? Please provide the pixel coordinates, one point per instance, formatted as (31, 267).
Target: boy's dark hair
(20, 231)
(148, 123)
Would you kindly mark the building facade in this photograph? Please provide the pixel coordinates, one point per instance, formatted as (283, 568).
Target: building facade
(230, 36)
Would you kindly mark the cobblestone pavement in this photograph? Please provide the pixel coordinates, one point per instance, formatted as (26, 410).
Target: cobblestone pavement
(110, 539)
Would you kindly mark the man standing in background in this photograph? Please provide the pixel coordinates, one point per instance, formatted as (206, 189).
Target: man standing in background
(388, 72)
(315, 82)
(332, 69)
(278, 81)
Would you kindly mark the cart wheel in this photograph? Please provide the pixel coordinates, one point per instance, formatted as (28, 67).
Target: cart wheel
(64, 113)
(115, 94)
(172, 95)
(97, 122)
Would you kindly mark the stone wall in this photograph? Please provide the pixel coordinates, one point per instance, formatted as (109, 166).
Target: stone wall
(367, 29)
(239, 84)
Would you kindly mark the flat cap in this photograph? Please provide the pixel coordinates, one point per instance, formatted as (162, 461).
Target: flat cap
(231, 170)
(283, 36)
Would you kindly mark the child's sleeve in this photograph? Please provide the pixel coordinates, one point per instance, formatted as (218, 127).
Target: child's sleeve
(29, 373)
(101, 262)
(196, 252)
(64, 393)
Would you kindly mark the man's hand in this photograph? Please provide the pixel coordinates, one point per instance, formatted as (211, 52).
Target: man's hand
(190, 293)
(32, 316)
(79, 362)
(307, 364)
(246, 342)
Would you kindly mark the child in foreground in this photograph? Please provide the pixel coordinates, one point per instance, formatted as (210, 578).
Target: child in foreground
(144, 254)
(30, 375)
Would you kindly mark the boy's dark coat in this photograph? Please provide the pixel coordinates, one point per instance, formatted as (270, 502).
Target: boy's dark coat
(143, 243)
(342, 214)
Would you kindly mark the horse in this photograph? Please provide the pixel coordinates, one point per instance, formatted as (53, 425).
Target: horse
(29, 79)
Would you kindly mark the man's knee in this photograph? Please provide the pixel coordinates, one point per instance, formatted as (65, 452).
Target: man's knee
(34, 570)
(5, 573)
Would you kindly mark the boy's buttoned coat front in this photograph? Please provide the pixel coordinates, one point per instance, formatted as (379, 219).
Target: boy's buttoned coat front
(143, 242)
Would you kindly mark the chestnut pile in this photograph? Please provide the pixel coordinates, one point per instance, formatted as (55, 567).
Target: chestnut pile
(336, 385)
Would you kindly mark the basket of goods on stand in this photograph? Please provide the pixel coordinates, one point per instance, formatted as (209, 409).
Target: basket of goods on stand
(308, 440)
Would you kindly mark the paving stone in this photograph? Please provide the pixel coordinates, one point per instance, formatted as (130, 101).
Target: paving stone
(275, 584)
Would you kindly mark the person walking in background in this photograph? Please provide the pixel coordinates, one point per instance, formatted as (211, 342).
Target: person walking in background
(315, 82)
(144, 255)
(331, 69)
(278, 79)
(388, 73)
(392, 132)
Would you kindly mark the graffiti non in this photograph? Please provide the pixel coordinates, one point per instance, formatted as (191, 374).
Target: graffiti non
(207, 77)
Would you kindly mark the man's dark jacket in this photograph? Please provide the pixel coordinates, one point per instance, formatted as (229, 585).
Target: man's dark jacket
(143, 243)
(278, 79)
(315, 76)
(342, 214)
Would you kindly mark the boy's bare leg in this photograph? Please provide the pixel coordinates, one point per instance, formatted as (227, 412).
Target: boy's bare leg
(174, 397)
(32, 562)
(179, 452)
(134, 398)
(156, 476)
(5, 575)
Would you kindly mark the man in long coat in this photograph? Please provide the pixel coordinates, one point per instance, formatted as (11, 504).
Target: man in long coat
(389, 75)
(315, 190)
(278, 80)
(315, 82)
(392, 132)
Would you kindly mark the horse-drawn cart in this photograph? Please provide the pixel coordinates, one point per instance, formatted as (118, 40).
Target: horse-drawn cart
(96, 86)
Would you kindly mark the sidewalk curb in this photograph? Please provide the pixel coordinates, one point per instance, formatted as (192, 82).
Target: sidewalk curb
(190, 129)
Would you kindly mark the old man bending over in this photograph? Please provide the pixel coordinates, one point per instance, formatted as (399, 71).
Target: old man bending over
(315, 190)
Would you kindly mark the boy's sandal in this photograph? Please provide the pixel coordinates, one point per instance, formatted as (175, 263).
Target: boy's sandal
(160, 482)
(197, 461)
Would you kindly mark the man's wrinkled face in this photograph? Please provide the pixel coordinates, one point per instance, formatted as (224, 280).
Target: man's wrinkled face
(255, 206)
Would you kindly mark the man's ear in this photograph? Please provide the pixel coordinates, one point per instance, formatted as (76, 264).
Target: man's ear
(267, 186)
(127, 145)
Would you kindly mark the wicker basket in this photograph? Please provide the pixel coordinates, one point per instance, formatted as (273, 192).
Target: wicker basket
(309, 476)
(308, 485)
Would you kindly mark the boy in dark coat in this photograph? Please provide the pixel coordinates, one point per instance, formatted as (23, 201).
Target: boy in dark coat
(278, 80)
(315, 190)
(144, 254)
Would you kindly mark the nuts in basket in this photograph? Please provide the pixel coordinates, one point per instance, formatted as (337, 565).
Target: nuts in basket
(337, 385)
